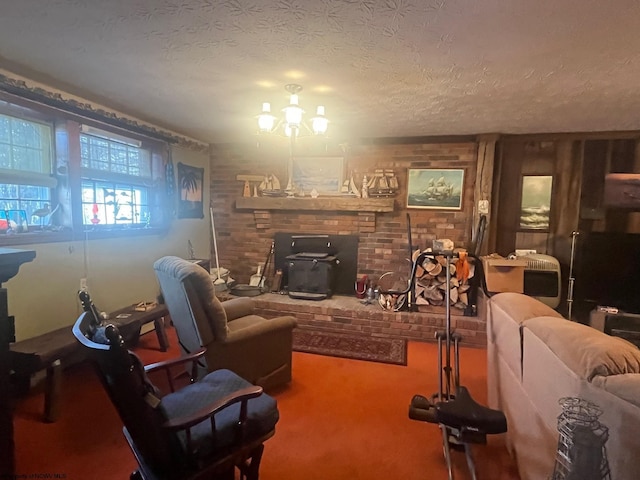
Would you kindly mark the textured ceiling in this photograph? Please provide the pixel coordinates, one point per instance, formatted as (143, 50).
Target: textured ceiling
(382, 67)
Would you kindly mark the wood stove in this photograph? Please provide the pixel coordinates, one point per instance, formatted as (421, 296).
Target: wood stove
(316, 266)
(311, 275)
(311, 268)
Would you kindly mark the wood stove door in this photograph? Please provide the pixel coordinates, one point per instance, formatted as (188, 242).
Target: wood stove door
(311, 276)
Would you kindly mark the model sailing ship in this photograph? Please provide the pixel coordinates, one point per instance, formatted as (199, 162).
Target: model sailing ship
(270, 186)
(383, 183)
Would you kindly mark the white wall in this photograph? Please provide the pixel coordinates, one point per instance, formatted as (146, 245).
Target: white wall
(43, 295)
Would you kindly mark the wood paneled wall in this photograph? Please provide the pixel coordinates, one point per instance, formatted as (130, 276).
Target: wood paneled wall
(579, 166)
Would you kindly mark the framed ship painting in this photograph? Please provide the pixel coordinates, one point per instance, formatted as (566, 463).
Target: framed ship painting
(435, 188)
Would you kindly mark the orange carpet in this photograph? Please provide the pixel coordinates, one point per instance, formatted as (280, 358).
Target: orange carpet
(340, 419)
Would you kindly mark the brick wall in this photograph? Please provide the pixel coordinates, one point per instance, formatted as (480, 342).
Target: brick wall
(244, 237)
(351, 316)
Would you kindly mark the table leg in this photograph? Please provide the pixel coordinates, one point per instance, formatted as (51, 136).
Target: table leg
(161, 333)
(52, 391)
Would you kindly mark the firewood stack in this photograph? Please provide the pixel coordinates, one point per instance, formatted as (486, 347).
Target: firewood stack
(431, 280)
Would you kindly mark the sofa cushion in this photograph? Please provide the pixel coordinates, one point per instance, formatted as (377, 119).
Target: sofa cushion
(585, 350)
(626, 386)
(521, 307)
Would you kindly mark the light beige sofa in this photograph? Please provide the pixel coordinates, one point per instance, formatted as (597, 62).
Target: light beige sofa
(549, 374)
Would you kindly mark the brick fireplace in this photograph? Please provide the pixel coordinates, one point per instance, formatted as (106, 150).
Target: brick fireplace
(246, 227)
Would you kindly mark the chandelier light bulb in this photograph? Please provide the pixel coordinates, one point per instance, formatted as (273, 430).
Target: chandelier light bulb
(293, 112)
(266, 120)
(319, 123)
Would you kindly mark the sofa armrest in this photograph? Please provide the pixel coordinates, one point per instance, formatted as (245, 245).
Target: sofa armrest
(238, 307)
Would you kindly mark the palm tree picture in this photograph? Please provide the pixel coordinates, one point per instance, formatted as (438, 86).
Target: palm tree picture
(190, 180)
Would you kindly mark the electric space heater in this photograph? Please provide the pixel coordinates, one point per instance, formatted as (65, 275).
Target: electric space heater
(542, 278)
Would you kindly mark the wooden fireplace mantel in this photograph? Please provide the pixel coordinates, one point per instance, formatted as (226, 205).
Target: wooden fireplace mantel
(364, 208)
(343, 204)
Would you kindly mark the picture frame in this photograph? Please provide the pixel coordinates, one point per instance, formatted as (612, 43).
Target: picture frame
(622, 190)
(535, 202)
(324, 174)
(190, 186)
(435, 188)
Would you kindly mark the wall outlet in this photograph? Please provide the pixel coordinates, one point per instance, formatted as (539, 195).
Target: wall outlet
(83, 284)
(483, 207)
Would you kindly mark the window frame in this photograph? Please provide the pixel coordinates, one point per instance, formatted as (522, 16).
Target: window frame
(45, 178)
(116, 180)
(66, 177)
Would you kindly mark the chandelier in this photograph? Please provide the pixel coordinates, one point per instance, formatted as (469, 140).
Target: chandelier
(292, 124)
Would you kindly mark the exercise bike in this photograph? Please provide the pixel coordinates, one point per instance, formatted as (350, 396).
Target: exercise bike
(461, 419)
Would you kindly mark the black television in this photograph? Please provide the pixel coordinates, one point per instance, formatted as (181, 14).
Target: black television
(607, 270)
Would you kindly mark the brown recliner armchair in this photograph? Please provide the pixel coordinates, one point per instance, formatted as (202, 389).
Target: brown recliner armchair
(255, 348)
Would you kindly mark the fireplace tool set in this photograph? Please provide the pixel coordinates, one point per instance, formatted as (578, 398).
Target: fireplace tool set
(256, 283)
(461, 419)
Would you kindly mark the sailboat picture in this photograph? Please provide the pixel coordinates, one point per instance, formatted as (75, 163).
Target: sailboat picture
(435, 188)
(323, 174)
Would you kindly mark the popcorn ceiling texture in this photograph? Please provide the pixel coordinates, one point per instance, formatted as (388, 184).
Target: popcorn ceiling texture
(382, 67)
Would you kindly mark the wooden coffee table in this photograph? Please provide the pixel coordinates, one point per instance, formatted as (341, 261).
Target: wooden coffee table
(129, 321)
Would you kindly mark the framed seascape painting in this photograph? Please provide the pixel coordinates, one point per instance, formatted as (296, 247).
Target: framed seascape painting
(535, 206)
(190, 186)
(435, 188)
(324, 174)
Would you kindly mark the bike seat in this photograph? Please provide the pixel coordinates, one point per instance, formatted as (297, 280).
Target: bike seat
(421, 409)
(464, 412)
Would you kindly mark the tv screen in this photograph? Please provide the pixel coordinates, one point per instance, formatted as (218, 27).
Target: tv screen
(607, 270)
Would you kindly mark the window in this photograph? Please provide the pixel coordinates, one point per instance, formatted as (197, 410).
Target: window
(60, 178)
(116, 181)
(25, 168)
(114, 204)
(113, 155)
